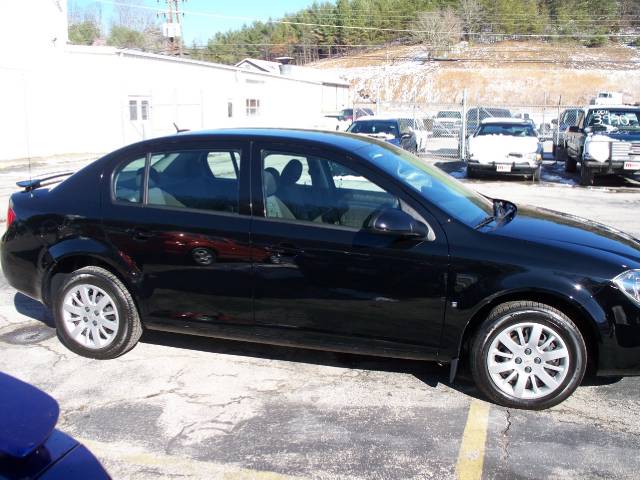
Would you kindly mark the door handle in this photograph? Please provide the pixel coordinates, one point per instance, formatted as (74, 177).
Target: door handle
(140, 234)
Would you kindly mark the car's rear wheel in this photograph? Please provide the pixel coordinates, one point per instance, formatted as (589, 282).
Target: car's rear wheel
(570, 164)
(95, 314)
(528, 355)
(536, 174)
(586, 175)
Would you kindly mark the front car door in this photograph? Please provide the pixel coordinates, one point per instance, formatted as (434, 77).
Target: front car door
(326, 281)
(175, 215)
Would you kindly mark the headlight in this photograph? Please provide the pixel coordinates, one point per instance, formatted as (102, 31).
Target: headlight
(629, 283)
(598, 151)
(534, 157)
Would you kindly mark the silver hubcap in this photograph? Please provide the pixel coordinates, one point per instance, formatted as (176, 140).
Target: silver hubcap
(528, 360)
(90, 316)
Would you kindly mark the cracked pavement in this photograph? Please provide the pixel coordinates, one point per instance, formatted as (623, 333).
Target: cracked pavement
(179, 406)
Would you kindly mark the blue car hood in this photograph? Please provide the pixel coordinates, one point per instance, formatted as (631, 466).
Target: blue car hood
(532, 223)
(27, 417)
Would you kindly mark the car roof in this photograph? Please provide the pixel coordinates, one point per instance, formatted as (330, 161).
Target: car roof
(609, 107)
(378, 117)
(515, 121)
(343, 140)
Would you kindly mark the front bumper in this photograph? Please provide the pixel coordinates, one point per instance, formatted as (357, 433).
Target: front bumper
(517, 168)
(619, 349)
(610, 166)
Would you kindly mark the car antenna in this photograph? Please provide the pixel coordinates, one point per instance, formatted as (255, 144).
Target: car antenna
(178, 129)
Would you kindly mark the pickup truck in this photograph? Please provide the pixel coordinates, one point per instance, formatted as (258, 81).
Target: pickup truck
(605, 141)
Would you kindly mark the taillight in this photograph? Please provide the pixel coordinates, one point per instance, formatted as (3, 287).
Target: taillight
(11, 216)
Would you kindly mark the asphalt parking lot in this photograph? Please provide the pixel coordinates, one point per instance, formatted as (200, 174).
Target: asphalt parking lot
(187, 407)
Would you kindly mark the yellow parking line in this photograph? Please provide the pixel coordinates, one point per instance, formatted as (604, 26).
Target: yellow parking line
(134, 458)
(471, 455)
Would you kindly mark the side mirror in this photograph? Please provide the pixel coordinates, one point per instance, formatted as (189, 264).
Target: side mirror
(575, 129)
(390, 221)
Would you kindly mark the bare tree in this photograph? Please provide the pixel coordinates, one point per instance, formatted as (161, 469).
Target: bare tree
(438, 31)
(470, 12)
(129, 14)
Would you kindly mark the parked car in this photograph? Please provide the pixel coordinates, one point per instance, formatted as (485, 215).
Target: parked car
(605, 140)
(419, 128)
(475, 115)
(396, 131)
(378, 253)
(505, 146)
(345, 117)
(30, 446)
(568, 118)
(447, 123)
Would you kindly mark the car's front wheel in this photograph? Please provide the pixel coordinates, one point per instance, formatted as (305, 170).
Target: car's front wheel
(528, 355)
(95, 314)
(570, 164)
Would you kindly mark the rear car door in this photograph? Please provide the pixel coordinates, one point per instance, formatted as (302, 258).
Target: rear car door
(324, 279)
(175, 215)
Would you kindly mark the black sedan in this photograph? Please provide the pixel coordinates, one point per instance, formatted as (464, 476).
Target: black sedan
(330, 241)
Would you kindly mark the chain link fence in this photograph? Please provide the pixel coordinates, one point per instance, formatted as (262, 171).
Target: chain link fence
(442, 128)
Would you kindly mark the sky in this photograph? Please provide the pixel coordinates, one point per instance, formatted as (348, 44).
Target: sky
(200, 28)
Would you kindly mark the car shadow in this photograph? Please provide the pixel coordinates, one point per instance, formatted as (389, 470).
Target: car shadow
(429, 373)
(33, 309)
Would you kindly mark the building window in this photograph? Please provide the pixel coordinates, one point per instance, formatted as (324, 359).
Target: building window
(144, 110)
(133, 110)
(253, 107)
(230, 109)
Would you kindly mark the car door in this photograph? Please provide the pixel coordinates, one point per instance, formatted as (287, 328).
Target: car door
(175, 215)
(324, 279)
(575, 139)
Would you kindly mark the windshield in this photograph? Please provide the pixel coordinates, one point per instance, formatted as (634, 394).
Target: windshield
(619, 118)
(442, 190)
(509, 129)
(449, 115)
(375, 126)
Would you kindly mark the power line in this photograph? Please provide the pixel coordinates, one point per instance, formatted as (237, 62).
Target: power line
(378, 29)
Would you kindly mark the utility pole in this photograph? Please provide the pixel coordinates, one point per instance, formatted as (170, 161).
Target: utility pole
(172, 28)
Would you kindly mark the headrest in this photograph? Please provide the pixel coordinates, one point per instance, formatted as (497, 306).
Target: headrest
(274, 172)
(269, 183)
(291, 173)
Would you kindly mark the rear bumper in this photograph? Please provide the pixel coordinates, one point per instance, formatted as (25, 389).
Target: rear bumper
(20, 262)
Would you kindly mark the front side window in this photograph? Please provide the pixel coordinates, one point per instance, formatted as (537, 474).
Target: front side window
(308, 188)
(127, 184)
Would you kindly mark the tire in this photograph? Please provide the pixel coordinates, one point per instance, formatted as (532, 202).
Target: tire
(570, 164)
(503, 385)
(537, 173)
(110, 329)
(471, 173)
(586, 175)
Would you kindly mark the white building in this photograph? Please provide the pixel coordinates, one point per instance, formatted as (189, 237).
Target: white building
(62, 99)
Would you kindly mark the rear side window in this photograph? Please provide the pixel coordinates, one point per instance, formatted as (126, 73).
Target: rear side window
(128, 181)
(195, 179)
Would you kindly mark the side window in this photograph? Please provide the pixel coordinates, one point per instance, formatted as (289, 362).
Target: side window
(127, 183)
(308, 188)
(195, 179)
(580, 121)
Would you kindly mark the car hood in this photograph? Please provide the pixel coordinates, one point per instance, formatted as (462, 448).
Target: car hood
(27, 417)
(502, 145)
(622, 136)
(533, 223)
